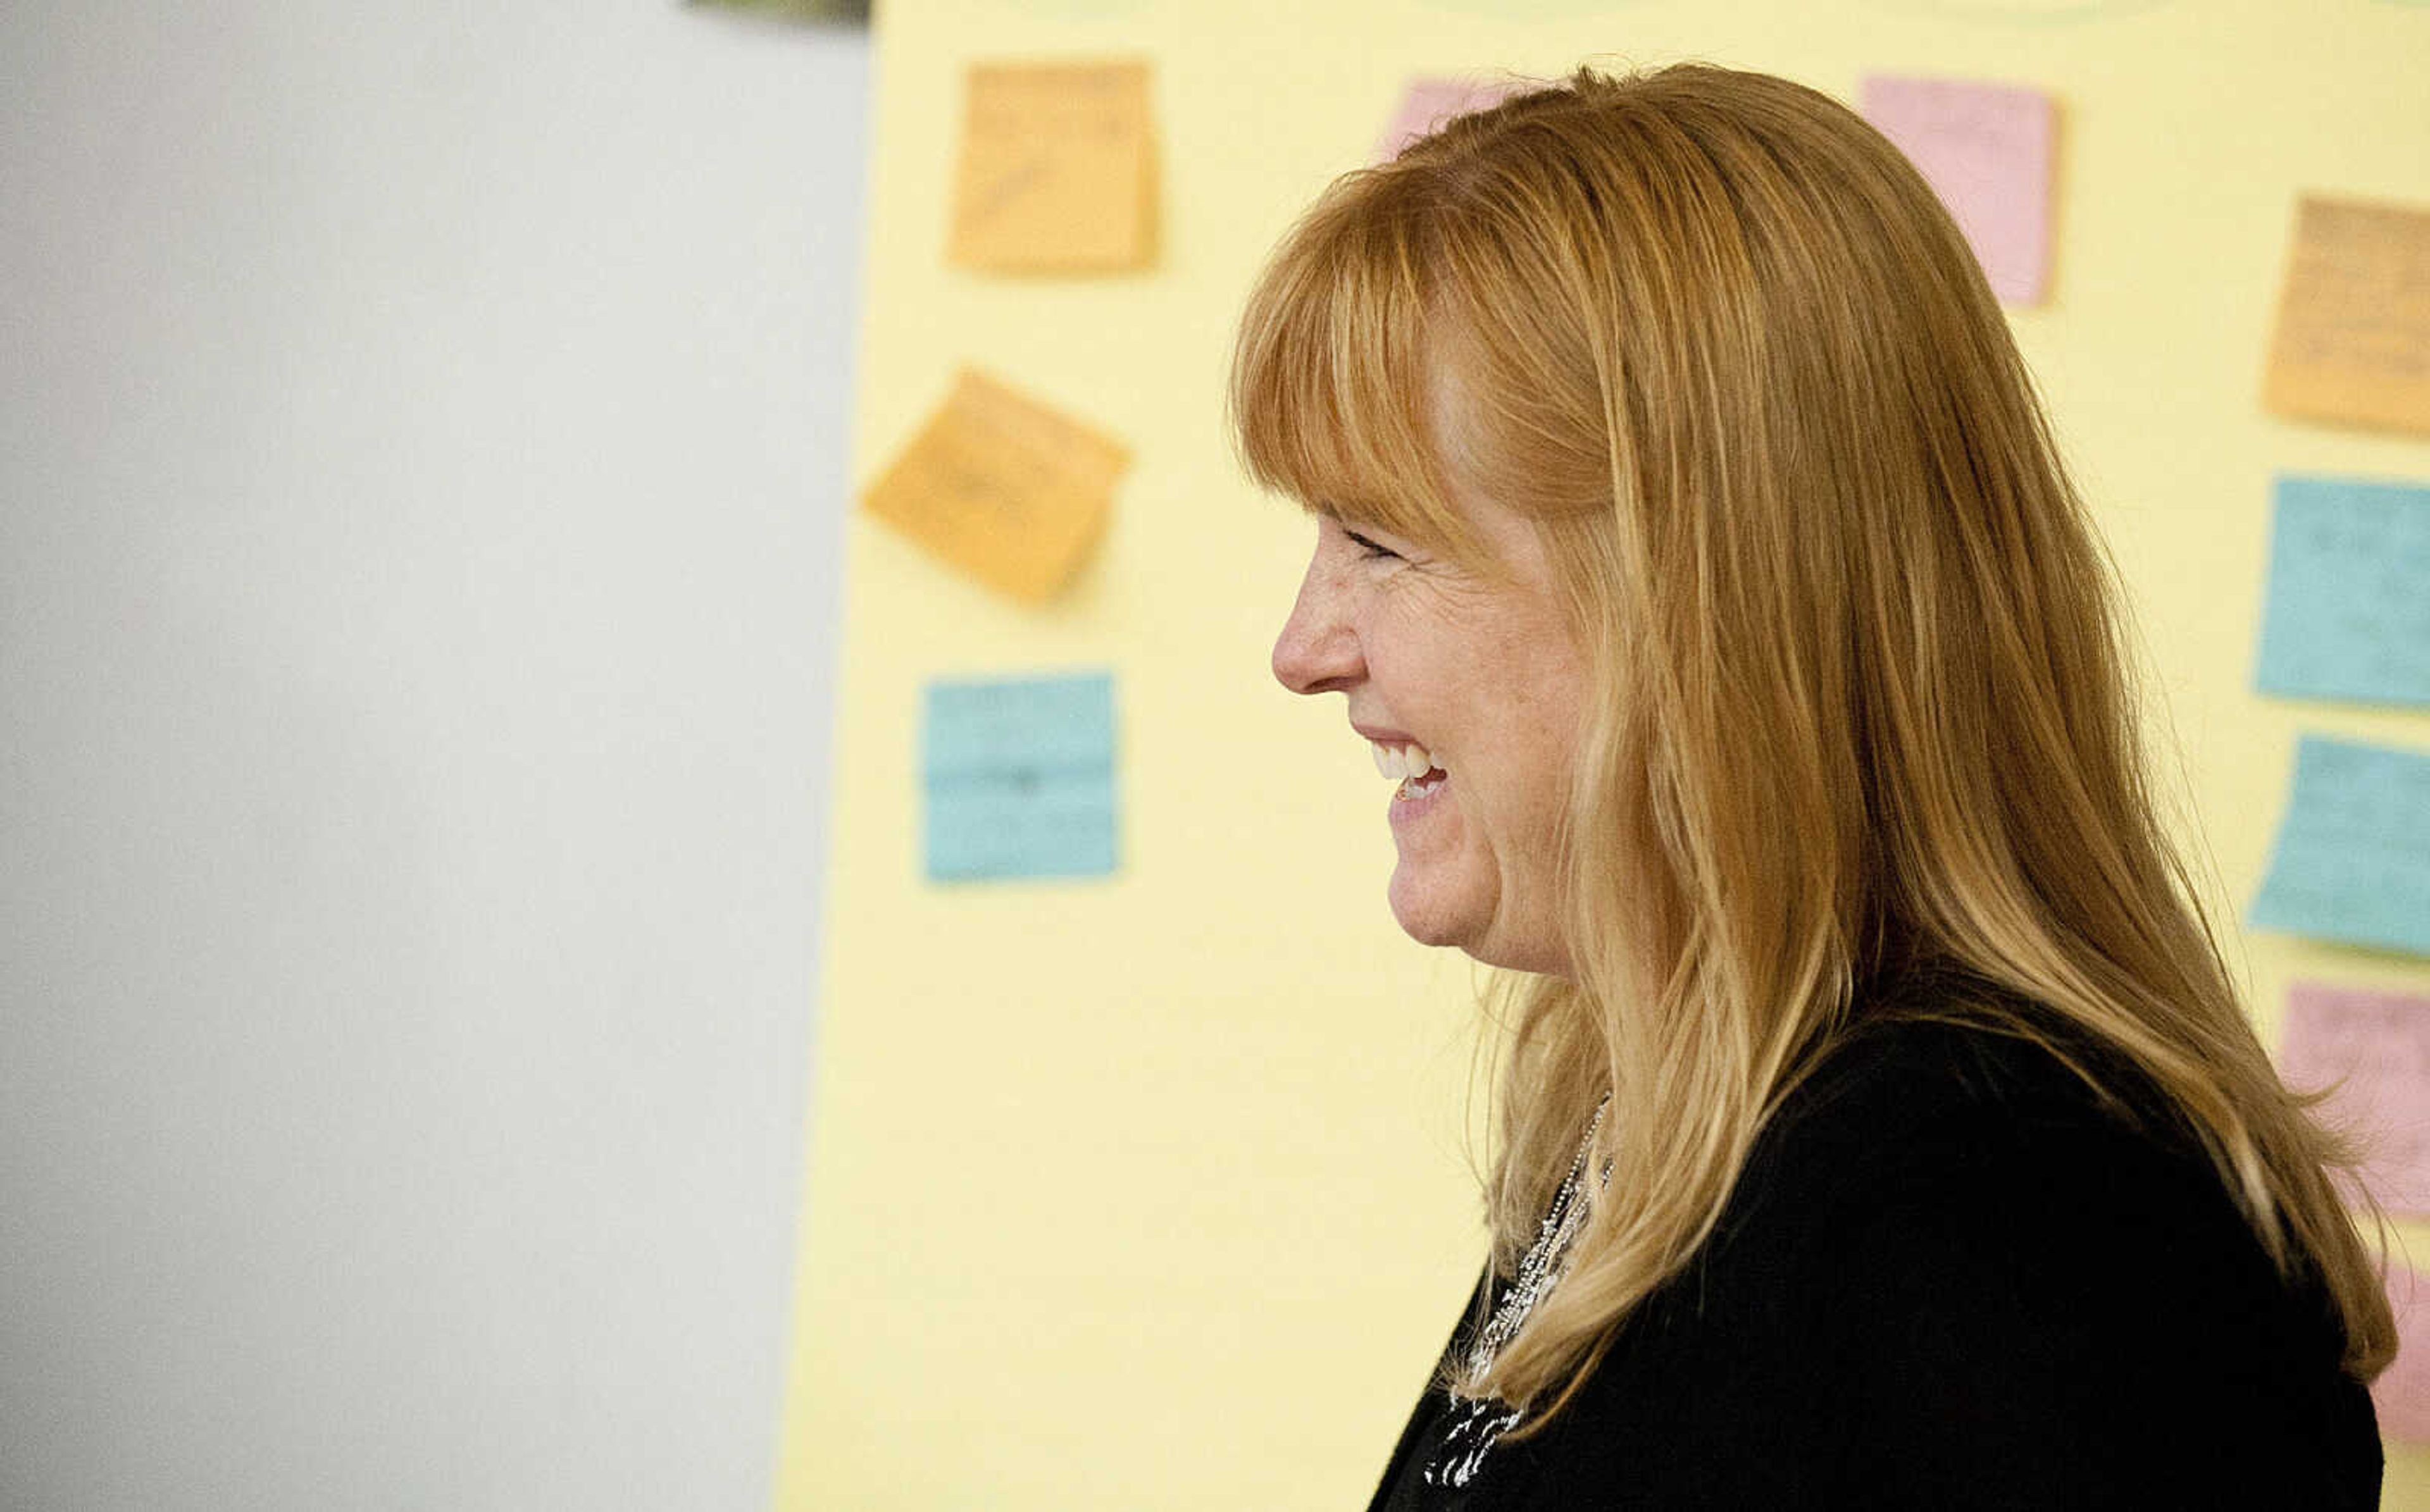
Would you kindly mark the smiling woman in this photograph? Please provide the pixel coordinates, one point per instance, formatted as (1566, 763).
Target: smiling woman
(1878, 1124)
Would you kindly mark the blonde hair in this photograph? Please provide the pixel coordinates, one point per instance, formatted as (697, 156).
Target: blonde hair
(1863, 707)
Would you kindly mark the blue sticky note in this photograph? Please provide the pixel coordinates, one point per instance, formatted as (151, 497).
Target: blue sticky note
(2352, 857)
(1019, 778)
(2348, 615)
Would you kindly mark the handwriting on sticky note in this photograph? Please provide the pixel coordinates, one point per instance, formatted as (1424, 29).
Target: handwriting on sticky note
(2374, 1048)
(2352, 861)
(1986, 150)
(1017, 777)
(1002, 487)
(1057, 169)
(2348, 611)
(2402, 1393)
(2353, 339)
(1430, 102)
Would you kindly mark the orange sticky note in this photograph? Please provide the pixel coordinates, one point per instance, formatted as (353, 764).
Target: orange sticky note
(1002, 487)
(2353, 344)
(1057, 169)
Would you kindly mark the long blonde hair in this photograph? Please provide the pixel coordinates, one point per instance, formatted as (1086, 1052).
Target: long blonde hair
(1863, 704)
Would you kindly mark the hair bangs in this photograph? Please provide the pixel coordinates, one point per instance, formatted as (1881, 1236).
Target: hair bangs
(1331, 377)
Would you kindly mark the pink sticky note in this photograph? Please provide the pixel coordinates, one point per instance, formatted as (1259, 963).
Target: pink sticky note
(1986, 150)
(2374, 1047)
(2402, 1393)
(1429, 103)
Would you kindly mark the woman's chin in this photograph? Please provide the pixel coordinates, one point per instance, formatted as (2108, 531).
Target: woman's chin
(1432, 915)
(1425, 914)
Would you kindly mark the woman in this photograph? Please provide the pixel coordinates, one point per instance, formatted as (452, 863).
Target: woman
(1879, 1125)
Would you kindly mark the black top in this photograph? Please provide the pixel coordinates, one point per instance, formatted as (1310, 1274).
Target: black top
(1948, 1278)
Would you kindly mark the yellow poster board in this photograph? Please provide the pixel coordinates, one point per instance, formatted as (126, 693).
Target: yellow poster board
(1150, 1191)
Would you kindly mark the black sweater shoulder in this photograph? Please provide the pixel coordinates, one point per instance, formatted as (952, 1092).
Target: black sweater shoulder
(1953, 1275)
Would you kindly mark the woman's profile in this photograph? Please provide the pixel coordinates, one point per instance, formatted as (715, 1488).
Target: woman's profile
(1877, 1123)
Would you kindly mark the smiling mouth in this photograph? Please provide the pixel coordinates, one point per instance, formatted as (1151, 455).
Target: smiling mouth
(1412, 764)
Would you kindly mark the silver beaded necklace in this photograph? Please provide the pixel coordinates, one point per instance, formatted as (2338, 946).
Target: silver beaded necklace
(1479, 1423)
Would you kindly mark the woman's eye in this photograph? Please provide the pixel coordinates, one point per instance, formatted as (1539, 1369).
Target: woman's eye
(1367, 548)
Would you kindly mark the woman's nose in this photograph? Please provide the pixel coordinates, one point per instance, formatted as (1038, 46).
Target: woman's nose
(1318, 650)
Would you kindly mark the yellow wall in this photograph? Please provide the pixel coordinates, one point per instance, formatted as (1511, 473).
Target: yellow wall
(1149, 1192)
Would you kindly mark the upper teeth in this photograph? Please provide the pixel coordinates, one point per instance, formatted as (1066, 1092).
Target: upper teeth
(1409, 760)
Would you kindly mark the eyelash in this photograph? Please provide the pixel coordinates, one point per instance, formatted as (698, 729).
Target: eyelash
(1369, 548)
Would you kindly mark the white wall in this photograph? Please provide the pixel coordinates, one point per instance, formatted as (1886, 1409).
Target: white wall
(421, 464)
